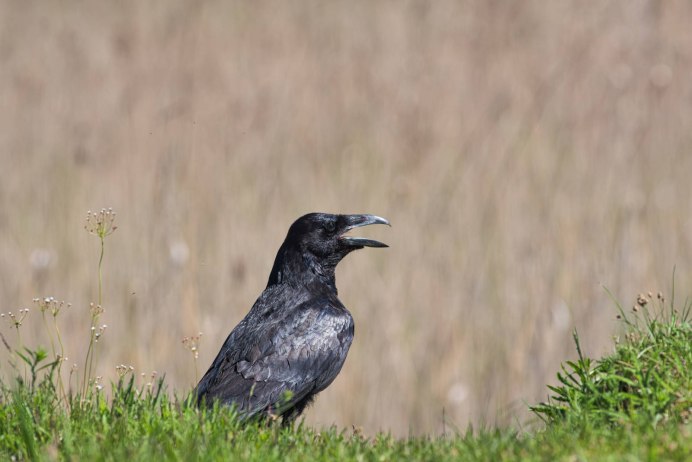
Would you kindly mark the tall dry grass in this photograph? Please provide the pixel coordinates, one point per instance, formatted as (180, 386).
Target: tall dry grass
(527, 153)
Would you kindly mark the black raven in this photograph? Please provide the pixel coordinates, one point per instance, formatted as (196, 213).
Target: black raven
(293, 342)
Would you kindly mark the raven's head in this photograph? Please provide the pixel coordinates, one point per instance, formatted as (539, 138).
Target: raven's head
(317, 242)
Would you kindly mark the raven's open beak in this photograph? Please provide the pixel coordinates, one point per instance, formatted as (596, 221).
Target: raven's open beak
(356, 221)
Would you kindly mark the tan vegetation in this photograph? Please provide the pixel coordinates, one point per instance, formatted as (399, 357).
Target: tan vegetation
(526, 153)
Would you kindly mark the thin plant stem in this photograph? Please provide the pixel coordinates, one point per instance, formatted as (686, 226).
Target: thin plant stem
(88, 361)
(50, 336)
(196, 369)
(19, 348)
(94, 327)
(100, 262)
(62, 359)
(59, 356)
(94, 319)
(91, 352)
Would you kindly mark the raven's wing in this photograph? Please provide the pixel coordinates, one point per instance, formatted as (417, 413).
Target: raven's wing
(271, 365)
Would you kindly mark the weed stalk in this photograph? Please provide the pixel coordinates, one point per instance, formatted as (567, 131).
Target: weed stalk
(101, 225)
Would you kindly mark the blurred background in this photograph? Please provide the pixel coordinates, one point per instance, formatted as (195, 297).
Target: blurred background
(528, 154)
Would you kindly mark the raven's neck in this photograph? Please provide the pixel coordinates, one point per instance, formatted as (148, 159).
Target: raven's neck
(301, 269)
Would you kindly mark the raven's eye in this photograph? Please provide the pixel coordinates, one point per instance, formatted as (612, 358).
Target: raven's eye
(330, 226)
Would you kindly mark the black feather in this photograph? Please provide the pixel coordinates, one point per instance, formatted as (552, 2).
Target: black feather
(294, 341)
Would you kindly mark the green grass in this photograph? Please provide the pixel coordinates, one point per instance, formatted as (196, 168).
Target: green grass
(632, 405)
(646, 382)
(153, 428)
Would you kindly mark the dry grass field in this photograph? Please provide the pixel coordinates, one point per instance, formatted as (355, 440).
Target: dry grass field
(526, 153)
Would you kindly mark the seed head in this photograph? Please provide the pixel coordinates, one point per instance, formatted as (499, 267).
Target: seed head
(16, 319)
(192, 344)
(50, 304)
(123, 370)
(95, 309)
(100, 223)
(100, 332)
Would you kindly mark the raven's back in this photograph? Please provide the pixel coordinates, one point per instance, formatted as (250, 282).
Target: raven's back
(290, 346)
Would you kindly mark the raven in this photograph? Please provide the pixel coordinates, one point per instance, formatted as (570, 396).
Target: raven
(293, 342)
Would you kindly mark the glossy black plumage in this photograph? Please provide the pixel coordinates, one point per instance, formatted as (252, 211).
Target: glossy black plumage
(294, 341)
